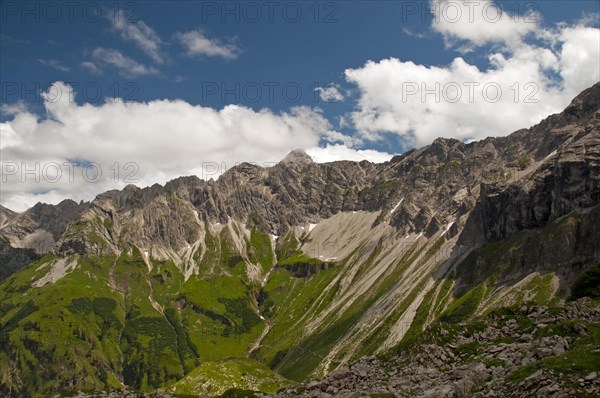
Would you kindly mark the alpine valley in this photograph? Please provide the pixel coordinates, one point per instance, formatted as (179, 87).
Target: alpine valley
(452, 270)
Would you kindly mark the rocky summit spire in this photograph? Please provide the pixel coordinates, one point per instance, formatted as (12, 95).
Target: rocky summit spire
(297, 156)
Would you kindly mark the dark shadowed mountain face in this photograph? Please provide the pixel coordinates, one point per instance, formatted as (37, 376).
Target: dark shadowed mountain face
(25, 237)
(42, 221)
(300, 268)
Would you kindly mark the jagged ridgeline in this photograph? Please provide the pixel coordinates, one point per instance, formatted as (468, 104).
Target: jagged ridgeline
(270, 276)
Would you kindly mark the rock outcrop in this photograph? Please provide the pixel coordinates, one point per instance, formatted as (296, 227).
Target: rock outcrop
(25, 237)
(502, 355)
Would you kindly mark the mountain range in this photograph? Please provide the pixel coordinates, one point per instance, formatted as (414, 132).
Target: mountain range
(270, 277)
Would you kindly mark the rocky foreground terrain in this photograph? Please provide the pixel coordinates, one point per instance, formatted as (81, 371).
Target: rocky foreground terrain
(526, 352)
(531, 351)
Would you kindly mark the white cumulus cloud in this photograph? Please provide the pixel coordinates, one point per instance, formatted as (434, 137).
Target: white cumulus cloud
(483, 21)
(196, 43)
(525, 81)
(139, 33)
(149, 142)
(126, 66)
(332, 153)
(53, 63)
(330, 93)
(91, 67)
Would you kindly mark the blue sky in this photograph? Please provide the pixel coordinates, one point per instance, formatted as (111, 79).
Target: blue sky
(198, 58)
(277, 49)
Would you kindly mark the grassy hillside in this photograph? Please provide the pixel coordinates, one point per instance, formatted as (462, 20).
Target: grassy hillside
(215, 378)
(100, 322)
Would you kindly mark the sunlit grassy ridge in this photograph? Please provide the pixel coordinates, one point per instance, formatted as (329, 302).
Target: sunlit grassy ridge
(214, 378)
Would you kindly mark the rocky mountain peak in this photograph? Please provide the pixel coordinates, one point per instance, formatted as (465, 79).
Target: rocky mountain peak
(6, 215)
(439, 184)
(585, 103)
(297, 156)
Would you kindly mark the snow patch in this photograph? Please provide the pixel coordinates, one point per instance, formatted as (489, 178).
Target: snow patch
(398, 205)
(448, 227)
(549, 156)
(311, 226)
(155, 305)
(146, 257)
